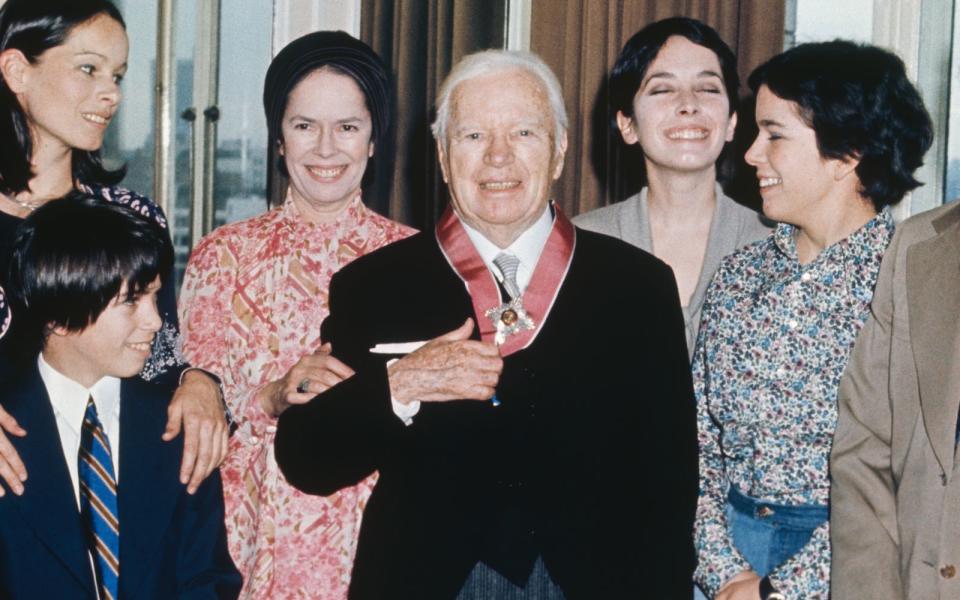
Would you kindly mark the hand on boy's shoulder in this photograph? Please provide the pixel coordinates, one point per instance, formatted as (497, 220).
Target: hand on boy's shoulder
(12, 471)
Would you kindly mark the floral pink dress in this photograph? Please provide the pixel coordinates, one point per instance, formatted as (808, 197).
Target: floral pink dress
(253, 297)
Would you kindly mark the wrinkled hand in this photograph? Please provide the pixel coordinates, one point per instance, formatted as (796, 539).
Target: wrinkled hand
(197, 409)
(449, 367)
(319, 371)
(745, 586)
(12, 471)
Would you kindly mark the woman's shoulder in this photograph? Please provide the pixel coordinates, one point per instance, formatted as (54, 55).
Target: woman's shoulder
(393, 230)
(126, 197)
(250, 232)
(746, 224)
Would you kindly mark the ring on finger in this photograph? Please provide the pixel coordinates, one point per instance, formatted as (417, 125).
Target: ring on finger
(304, 385)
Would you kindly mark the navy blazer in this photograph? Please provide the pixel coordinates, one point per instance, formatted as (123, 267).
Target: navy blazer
(590, 462)
(173, 544)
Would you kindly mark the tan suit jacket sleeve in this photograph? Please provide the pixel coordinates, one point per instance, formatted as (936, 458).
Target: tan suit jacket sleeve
(863, 515)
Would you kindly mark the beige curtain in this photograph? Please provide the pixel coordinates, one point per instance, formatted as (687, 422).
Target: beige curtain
(420, 40)
(580, 40)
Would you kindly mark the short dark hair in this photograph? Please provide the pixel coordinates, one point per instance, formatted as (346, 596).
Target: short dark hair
(71, 258)
(860, 104)
(642, 49)
(341, 53)
(33, 27)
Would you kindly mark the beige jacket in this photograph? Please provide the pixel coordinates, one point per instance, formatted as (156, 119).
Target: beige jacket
(895, 497)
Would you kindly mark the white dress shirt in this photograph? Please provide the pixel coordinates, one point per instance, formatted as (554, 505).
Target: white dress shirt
(69, 401)
(527, 248)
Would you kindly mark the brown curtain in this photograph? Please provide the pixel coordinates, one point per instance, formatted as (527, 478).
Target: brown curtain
(580, 40)
(420, 40)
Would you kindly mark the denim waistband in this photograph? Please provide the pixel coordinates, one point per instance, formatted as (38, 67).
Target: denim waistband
(806, 516)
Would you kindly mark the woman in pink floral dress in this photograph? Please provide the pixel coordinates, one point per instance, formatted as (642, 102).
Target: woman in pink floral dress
(255, 293)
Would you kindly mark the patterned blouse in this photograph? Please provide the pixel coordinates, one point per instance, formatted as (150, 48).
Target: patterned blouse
(774, 341)
(253, 297)
(166, 362)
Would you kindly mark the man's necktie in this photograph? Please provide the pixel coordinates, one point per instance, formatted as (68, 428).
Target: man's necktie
(98, 503)
(508, 264)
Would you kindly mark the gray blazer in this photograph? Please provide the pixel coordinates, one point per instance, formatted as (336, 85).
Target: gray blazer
(895, 495)
(733, 226)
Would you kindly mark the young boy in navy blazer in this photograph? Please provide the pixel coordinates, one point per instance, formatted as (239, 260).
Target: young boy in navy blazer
(105, 515)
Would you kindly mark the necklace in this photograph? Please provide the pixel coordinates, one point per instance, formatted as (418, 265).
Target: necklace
(24, 204)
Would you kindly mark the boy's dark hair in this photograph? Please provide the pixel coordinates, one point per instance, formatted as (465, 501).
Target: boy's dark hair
(71, 258)
(860, 104)
(33, 27)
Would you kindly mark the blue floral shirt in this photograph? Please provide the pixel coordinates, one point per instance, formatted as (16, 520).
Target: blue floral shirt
(774, 340)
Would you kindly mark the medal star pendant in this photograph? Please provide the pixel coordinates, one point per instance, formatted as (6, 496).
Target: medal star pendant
(509, 318)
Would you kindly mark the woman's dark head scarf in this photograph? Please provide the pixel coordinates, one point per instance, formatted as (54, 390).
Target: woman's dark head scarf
(339, 51)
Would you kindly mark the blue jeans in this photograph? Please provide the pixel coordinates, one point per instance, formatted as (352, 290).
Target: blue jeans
(768, 534)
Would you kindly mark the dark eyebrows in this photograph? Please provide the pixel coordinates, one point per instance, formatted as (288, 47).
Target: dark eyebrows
(769, 123)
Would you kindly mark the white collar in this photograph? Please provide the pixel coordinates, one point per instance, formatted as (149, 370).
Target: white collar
(527, 247)
(69, 398)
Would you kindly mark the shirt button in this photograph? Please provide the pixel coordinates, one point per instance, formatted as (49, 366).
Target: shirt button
(254, 439)
(792, 323)
(948, 571)
(805, 277)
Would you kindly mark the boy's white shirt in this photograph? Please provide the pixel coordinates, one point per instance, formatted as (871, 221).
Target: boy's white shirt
(69, 401)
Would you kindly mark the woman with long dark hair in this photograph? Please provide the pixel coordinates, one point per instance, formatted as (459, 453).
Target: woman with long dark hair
(61, 64)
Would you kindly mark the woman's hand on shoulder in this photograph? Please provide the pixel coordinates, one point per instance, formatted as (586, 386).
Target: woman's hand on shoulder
(314, 373)
(198, 410)
(12, 471)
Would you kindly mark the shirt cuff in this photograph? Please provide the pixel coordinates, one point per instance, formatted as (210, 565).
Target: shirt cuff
(405, 412)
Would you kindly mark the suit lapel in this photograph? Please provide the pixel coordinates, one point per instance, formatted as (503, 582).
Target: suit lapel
(48, 503)
(933, 296)
(149, 485)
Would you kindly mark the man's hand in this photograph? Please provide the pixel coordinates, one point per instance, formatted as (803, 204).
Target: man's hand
(313, 374)
(744, 586)
(449, 367)
(12, 471)
(197, 409)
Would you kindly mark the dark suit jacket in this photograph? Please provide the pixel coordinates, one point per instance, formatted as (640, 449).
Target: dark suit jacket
(590, 461)
(172, 544)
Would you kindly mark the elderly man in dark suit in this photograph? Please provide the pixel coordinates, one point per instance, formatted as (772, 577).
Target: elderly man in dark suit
(521, 385)
(895, 493)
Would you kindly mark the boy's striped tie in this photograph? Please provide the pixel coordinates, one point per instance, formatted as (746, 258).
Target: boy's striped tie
(98, 503)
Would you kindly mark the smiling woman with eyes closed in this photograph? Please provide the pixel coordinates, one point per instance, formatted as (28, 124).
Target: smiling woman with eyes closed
(674, 90)
(841, 132)
(255, 293)
(61, 64)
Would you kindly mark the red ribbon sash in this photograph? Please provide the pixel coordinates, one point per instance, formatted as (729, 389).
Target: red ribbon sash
(538, 299)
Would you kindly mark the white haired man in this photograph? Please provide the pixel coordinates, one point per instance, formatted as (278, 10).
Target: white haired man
(521, 386)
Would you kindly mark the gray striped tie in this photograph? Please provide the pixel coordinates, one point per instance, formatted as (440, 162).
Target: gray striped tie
(508, 264)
